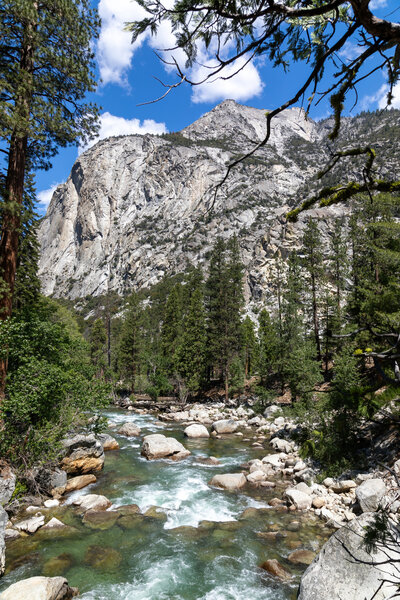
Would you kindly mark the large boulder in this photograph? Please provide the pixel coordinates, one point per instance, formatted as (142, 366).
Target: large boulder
(196, 431)
(129, 430)
(370, 494)
(30, 525)
(229, 481)
(79, 482)
(40, 588)
(339, 571)
(225, 426)
(3, 523)
(7, 483)
(83, 454)
(92, 502)
(160, 446)
(301, 500)
(50, 479)
(108, 442)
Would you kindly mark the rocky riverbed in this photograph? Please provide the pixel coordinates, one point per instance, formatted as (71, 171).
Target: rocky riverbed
(204, 503)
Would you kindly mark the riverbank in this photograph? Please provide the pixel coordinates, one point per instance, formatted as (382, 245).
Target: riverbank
(197, 540)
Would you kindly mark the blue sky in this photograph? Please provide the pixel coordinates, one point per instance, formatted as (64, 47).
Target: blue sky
(128, 73)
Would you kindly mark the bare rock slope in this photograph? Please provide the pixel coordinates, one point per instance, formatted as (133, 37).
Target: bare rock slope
(135, 208)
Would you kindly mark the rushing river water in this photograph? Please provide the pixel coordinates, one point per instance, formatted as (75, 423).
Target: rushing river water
(198, 548)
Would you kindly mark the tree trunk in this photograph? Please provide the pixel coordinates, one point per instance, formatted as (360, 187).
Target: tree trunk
(10, 234)
(14, 188)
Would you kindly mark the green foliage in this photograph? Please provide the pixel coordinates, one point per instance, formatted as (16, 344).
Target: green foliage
(50, 385)
(44, 99)
(236, 375)
(225, 303)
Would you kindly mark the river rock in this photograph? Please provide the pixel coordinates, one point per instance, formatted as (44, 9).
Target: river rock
(343, 486)
(271, 410)
(3, 523)
(58, 564)
(100, 519)
(300, 500)
(159, 446)
(318, 502)
(54, 524)
(281, 445)
(336, 575)
(102, 558)
(128, 509)
(256, 477)
(229, 481)
(79, 482)
(196, 431)
(129, 430)
(92, 502)
(225, 426)
(301, 557)
(10, 534)
(370, 494)
(273, 567)
(275, 460)
(83, 454)
(40, 588)
(208, 460)
(7, 483)
(50, 479)
(51, 503)
(30, 525)
(108, 442)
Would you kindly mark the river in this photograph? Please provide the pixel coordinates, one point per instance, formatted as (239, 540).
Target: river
(199, 547)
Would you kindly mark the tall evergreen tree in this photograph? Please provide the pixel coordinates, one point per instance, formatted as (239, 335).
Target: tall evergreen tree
(312, 262)
(130, 341)
(46, 69)
(225, 301)
(268, 337)
(249, 346)
(190, 357)
(171, 329)
(98, 339)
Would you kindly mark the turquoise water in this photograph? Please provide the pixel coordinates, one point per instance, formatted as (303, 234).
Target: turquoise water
(197, 547)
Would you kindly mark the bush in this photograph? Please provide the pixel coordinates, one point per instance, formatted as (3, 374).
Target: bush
(50, 387)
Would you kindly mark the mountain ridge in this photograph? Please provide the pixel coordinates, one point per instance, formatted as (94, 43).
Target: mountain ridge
(138, 207)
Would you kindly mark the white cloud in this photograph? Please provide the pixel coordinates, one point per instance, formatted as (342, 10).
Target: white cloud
(115, 53)
(111, 125)
(350, 51)
(382, 103)
(245, 84)
(115, 49)
(45, 196)
(379, 99)
(376, 4)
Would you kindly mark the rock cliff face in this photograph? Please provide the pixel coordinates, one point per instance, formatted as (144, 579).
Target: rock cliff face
(135, 208)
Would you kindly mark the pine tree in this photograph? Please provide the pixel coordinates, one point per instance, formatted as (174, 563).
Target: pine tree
(249, 346)
(46, 69)
(297, 353)
(130, 341)
(171, 329)
(225, 301)
(312, 262)
(268, 336)
(190, 357)
(98, 338)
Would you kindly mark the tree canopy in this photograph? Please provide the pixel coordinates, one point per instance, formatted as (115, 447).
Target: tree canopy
(315, 33)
